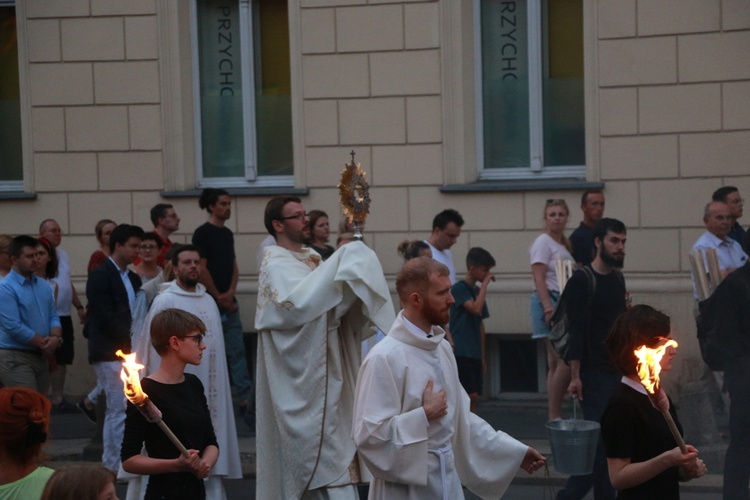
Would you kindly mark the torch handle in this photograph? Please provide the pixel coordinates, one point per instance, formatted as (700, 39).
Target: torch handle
(675, 433)
(175, 440)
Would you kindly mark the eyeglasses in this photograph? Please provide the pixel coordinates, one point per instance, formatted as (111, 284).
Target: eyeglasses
(198, 338)
(148, 248)
(300, 216)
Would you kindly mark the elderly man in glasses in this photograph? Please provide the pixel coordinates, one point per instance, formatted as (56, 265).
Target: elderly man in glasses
(311, 319)
(731, 196)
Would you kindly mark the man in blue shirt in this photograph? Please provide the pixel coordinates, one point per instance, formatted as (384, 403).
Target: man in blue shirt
(30, 329)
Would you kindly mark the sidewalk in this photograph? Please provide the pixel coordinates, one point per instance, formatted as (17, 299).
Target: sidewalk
(523, 419)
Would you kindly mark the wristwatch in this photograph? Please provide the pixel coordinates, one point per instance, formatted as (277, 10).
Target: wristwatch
(58, 337)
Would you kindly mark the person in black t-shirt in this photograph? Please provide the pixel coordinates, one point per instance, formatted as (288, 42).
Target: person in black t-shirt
(643, 458)
(582, 239)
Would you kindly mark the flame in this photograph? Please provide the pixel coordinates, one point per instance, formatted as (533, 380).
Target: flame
(649, 365)
(131, 380)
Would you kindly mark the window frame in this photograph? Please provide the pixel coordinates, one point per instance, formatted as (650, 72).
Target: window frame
(536, 169)
(247, 17)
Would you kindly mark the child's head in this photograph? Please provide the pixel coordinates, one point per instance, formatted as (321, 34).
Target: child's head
(479, 261)
(173, 323)
(81, 482)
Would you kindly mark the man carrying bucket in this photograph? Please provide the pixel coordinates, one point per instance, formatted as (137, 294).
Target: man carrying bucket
(593, 378)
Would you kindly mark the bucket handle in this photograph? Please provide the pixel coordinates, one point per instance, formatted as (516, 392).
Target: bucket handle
(576, 408)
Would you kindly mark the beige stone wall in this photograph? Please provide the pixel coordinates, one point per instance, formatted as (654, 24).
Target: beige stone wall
(109, 130)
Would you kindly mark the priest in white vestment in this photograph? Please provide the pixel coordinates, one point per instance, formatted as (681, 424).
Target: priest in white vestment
(412, 423)
(311, 319)
(188, 294)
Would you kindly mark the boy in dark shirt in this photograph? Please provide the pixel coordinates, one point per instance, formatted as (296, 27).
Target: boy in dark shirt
(467, 321)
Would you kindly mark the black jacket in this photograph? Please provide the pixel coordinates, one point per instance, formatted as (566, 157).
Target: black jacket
(108, 323)
(733, 323)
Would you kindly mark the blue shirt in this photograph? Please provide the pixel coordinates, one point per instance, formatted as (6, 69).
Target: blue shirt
(27, 306)
(466, 327)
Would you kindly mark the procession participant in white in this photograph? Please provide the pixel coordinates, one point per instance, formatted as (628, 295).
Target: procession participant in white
(188, 294)
(412, 423)
(311, 319)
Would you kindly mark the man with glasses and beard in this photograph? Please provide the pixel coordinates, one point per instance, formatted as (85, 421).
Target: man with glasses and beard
(593, 377)
(187, 294)
(311, 318)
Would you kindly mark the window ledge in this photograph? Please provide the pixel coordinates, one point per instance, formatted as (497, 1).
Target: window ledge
(523, 185)
(255, 191)
(17, 195)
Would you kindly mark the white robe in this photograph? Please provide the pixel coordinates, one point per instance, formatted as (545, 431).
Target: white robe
(400, 446)
(212, 372)
(310, 327)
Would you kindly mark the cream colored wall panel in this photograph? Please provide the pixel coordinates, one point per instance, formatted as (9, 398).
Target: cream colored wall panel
(367, 29)
(318, 30)
(638, 61)
(509, 313)
(97, 128)
(249, 213)
(372, 121)
(688, 236)
(131, 7)
(679, 108)
(130, 171)
(142, 203)
(385, 246)
(80, 248)
(735, 14)
(736, 104)
(61, 84)
(616, 18)
(509, 248)
(141, 38)
(422, 23)
(56, 8)
(652, 250)
(397, 1)
(389, 210)
(721, 153)
(533, 208)
(43, 40)
(618, 111)
(424, 119)
(675, 203)
(335, 76)
(714, 57)
(127, 82)
(661, 17)
(407, 165)
(86, 209)
(65, 172)
(321, 123)
(48, 129)
(405, 73)
(621, 202)
(327, 200)
(145, 127)
(331, 3)
(93, 39)
(324, 165)
(639, 157)
(24, 217)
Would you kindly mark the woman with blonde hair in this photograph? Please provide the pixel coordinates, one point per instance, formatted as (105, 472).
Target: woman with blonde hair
(81, 482)
(102, 230)
(547, 249)
(24, 424)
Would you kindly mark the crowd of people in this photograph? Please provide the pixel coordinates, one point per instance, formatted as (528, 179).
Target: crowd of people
(403, 419)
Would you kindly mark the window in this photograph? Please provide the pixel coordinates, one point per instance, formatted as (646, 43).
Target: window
(243, 93)
(11, 156)
(530, 78)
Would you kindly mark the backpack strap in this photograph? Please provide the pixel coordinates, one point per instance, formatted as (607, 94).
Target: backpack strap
(591, 280)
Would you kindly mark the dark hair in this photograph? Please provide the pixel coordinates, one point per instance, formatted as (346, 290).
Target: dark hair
(274, 207)
(415, 276)
(478, 256)
(159, 211)
(122, 233)
(209, 197)
(19, 243)
(411, 249)
(173, 323)
(50, 270)
(448, 215)
(78, 482)
(640, 325)
(150, 236)
(24, 423)
(722, 193)
(608, 225)
(585, 195)
(173, 255)
(314, 215)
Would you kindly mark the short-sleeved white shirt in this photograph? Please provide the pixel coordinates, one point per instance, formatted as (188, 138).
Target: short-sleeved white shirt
(546, 250)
